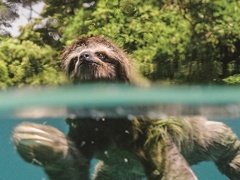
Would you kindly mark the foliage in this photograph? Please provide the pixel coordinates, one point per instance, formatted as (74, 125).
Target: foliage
(235, 79)
(152, 36)
(23, 62)
(3, 74)
(179, 41)
(185, 41)
(54, 19)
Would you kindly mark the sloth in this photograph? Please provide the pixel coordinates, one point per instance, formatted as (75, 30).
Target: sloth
(96, 59)
(128, 148)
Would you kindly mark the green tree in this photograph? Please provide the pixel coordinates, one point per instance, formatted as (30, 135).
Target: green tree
(52, 22)
(180, 41)
(233, 80)
(185, 41)
(150, 31)
(25, 63)
(3, 75)
(215, 39)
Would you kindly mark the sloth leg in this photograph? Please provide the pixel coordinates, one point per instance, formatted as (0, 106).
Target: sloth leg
(50, 148)
(166, 162)
(212, 141)
(176, 166)
(224, 150)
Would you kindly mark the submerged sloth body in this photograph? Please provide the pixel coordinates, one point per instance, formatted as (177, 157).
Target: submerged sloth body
(128, 149)
(110, 140)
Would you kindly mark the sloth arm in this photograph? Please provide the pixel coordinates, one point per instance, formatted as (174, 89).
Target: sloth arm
(211, 141)
(48, 147)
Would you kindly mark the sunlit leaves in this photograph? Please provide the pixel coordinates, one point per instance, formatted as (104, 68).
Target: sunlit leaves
(25, 63)
(235, 79)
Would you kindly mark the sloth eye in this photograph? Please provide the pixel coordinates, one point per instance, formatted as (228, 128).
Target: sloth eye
(101, 56)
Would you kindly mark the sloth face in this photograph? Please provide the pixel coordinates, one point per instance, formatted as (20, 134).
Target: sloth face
(95, 59)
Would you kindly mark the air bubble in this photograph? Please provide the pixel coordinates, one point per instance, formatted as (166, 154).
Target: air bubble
(82, 143)
(74, 124)
(131, 117)
(106, 153)
(127, 132)
(72, 116)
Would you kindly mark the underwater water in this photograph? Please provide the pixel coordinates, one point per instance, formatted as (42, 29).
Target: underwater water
(12, 167)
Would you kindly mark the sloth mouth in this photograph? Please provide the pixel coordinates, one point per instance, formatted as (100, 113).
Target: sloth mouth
(91, 61)
(88, 70)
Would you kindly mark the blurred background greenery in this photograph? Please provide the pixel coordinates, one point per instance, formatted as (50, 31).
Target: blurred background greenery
(172, 42)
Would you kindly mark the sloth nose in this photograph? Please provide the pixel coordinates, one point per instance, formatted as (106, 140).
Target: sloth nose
(86, 55)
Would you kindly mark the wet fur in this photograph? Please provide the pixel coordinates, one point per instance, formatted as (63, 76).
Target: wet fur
(128, 148)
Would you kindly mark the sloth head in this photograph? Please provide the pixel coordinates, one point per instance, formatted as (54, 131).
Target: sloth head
(94, 59)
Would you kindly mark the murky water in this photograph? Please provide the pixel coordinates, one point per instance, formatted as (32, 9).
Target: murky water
(12, 167)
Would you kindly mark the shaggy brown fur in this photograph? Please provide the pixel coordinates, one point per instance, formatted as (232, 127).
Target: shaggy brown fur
(128, 149)
(96, 59)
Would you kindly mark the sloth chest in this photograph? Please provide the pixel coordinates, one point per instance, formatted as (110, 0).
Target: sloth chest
(119, 159)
